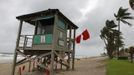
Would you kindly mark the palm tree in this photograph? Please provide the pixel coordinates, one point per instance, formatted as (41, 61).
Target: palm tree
(121, 16)
(118, 37)
(108, 35)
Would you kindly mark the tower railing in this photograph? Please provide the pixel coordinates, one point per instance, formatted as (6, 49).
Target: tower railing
(25, 41)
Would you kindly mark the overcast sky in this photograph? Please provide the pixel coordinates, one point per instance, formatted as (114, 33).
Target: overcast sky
(87, 14)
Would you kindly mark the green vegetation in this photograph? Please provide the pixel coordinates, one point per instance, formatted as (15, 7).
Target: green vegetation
(121, 16)
(111, 33)
(120, 67)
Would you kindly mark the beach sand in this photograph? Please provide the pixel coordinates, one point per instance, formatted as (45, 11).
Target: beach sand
(83, 66)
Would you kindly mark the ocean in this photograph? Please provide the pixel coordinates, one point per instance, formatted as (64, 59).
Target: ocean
(8, 57)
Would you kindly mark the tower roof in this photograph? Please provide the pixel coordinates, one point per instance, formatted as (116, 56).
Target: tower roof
(29, 17)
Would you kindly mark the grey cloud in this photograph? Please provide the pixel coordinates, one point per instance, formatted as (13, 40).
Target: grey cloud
(94, 21)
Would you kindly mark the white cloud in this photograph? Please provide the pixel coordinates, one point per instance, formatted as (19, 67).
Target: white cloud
(88, 7)
(91, 4)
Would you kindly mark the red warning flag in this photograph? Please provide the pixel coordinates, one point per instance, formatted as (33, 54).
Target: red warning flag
(86, 35)
(78, 39)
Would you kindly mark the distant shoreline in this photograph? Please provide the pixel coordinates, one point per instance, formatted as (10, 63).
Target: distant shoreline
(8, 57)
(6, 53)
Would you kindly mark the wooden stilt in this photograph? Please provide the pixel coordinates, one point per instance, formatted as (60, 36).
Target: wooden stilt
(52, 63)
(56, 63)
(14, 63)
(29, 69)
(73, 53)
(69, 46)
(17, 44)
(68, 61)
(33, 66)
(61, 64)
(19, 71)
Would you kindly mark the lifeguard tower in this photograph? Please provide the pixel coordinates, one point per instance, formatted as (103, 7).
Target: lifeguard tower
(53, 40)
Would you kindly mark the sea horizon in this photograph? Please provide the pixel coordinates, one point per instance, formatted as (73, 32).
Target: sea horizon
(8, 57)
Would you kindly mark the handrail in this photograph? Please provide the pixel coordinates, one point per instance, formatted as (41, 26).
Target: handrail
(32, 35)
(25, 41)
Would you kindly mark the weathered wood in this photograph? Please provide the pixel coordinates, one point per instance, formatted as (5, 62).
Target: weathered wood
(20, 61)
(36, 26)
(60, 25)
(53, 44)
(52, 63)
(29, 66)
(70, 37)
(24, 42)
(56, 59)
(17, 44)
(32, 59)
(42, 66)
(73, 53)
(21, 53)
(63, 63)
(43, 55)
(69, 47)
(60, 64)
(61, 57)
(68, 61)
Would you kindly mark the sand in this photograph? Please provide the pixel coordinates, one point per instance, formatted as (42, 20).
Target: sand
(84, 66)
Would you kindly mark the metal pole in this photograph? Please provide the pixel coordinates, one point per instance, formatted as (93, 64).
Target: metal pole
(17, 44)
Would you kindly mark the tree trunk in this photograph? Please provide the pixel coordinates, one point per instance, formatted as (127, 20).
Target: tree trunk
(118, 54)
(110, 50)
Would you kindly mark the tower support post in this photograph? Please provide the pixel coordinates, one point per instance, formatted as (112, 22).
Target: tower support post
(17, 44)
(73, 53)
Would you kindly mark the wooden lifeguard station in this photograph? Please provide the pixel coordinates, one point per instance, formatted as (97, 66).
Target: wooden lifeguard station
(53, 40)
